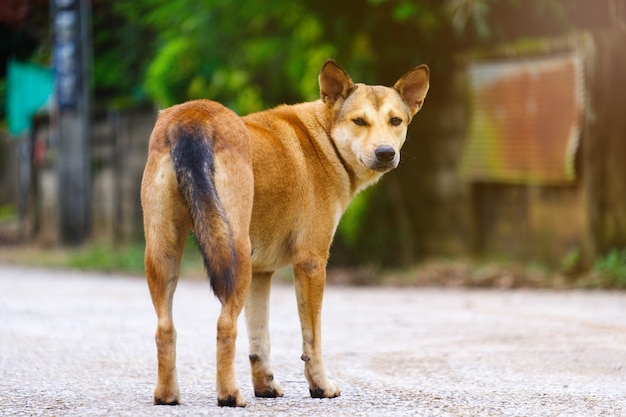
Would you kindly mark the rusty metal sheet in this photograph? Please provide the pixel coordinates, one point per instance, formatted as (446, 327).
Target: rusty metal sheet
(525, 121)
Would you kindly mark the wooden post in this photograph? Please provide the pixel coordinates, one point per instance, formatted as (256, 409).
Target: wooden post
(72, 53)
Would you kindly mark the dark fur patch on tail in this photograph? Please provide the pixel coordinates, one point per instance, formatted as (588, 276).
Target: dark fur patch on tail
(193, 159)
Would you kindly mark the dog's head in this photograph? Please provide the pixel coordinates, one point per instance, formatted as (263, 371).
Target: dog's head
(369, 123)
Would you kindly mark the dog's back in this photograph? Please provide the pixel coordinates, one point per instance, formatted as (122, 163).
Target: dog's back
(301, 187)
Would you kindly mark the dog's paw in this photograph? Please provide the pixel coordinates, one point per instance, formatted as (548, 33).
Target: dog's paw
(166, 397)
(233, 400)
(265, 386)
(271, 390)
(330, 390)
(171, 401)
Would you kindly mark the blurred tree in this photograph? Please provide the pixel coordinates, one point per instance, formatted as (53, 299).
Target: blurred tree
(251, 55)
(175, 50)
(247, 56)
(124, 45)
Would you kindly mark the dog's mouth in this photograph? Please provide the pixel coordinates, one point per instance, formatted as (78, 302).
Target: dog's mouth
(379, 166)
(382, 167)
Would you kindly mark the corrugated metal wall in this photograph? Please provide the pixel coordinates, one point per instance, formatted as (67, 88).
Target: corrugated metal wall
(526, 120)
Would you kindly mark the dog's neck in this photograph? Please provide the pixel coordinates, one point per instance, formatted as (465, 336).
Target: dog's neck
(318, 121)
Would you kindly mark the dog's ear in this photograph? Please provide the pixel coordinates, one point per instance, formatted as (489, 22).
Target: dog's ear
(413, 87)
(334, 82)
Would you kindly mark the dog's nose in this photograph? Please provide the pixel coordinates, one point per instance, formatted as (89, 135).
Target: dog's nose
(385, 153)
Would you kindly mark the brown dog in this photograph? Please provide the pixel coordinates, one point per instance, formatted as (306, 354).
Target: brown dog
(261, 192)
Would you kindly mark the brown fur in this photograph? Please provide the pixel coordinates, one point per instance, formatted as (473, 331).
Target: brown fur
(261, 192)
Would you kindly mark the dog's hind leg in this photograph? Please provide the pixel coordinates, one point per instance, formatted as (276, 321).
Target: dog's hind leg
(257, 320)
(166, 232)
(310, 277)
(234, 184)
(228, 394)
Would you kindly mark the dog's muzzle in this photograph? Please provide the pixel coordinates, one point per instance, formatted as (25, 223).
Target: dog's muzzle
(385, 159)
(385, 154)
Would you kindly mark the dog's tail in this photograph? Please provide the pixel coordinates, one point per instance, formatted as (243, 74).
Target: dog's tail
(191, 150)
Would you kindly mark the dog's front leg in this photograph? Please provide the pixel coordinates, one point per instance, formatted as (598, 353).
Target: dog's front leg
(257, 320)
(310, 279)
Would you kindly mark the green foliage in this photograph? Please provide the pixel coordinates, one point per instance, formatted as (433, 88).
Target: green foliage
(163, 76)
(246, 56)
(123, 46)
(7, 212)
(469, 13)
(612, 268)
(351, 223)
(571, 262)
(255, 54)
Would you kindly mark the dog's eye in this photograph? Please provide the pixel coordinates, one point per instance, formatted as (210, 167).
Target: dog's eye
(359, 121)
(395, 121)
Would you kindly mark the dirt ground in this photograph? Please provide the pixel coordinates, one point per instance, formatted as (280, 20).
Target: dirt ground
(76, 344)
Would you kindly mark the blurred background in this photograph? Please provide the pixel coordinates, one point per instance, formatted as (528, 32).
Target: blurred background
(518, 157)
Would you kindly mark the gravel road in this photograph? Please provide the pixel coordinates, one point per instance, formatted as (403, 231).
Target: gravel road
(78, 344)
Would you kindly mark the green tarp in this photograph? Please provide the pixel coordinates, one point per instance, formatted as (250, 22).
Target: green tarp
(29, 87)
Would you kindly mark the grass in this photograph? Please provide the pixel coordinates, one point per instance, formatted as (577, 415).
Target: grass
(129, 259)
(609, 271)
(104, 257)
(101, 256)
